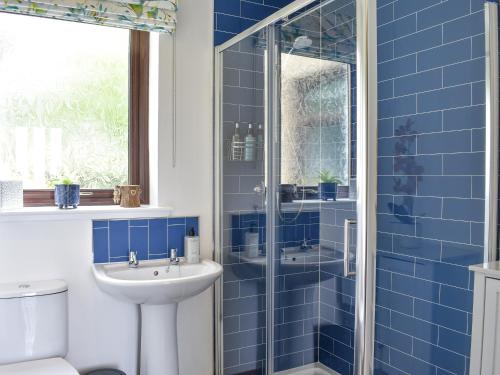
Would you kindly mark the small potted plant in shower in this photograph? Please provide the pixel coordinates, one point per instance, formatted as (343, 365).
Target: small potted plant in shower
(66, 193)
(327, 187)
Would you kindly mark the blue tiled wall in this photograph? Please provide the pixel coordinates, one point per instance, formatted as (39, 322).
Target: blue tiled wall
(337, 293)
(430, 184)
(151, 238)
(234, 16)
(431, 177)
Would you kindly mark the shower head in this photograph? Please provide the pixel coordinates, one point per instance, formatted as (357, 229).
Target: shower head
(302, 42)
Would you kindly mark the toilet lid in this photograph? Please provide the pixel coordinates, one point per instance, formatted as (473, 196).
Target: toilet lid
(51, 366)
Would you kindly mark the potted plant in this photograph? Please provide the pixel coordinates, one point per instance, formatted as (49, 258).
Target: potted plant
(327, 187)
(66, 193)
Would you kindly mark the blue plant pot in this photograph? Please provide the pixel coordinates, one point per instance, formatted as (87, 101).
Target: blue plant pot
(67, 196)
(327, 191)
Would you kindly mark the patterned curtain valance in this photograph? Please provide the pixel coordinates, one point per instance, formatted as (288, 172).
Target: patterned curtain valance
(158, 15)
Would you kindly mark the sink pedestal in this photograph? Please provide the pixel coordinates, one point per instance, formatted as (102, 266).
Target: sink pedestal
(159, 354)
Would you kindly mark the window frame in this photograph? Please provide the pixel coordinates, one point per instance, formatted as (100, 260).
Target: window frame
(138, 152)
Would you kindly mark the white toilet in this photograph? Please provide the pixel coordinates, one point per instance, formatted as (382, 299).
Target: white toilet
(34, 328)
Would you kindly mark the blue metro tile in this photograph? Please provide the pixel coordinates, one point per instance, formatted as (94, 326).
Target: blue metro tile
(100, 245)
(464, 164)
(477, 233)
(419, 41)
(227, 7)
(397, 28)
(393, 338)
(442, 273)
(463, 209)
(462, 254)
(447, 230)
(394, 301)
(464, 118)
(138, 223)
(457, 298)
(405, 7)
(100, 224)
(449, 142)
(395, 263)
(256, 11)
(450, 97)
(443, 358)
(139, 242)
(444, 55)
(416, 124)
(118, 238)
(176, 235)
(442, 12)
(444, 186)
(158, 236)
(410, 364)
(397, 68)
(417, 247)
(419, 82)
(415, 327)
(416, 287)
(441, 315)
(400, 106)
(465, 72)
(454, 341)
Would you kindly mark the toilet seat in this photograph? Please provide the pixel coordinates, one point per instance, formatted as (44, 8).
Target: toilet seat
(51, 366)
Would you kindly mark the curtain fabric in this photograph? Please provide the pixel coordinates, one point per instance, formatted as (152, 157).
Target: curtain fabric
(159, 15)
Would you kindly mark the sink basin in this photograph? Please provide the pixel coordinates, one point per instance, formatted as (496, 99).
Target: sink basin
(155, 282)
(157, 287)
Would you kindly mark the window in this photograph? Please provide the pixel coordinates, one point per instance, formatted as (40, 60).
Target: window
(73, 103)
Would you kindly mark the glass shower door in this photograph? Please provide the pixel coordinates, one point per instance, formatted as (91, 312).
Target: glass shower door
(316, 239)
(287, 203)
(243, 215)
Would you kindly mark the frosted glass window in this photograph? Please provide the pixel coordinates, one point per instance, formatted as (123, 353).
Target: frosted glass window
(315, 119)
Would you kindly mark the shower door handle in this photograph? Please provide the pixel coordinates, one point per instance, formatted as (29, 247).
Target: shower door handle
(347, 246)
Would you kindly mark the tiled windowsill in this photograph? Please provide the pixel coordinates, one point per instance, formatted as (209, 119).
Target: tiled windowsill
(82, 213)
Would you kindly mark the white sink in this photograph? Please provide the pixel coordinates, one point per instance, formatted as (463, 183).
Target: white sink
(157, 287)
(155, 282)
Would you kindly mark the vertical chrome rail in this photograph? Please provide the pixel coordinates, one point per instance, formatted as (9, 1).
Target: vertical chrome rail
(491, 144)
(218, 151)
(271, 157)
(366, 158)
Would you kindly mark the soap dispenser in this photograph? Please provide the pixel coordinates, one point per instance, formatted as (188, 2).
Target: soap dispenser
(192, 247)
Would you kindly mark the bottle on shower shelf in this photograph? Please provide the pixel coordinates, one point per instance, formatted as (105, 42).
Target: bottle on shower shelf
(260, 141)
(250, 145)
(236, 149)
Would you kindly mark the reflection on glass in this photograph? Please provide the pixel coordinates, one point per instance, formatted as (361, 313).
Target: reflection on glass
(315, 119)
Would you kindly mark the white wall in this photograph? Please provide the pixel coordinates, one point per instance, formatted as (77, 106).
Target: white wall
(103, 331)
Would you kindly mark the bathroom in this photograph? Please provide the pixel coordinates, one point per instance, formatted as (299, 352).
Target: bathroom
(339, 231)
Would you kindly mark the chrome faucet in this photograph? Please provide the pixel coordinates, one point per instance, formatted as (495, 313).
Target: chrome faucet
(304, 246)
(133, 262)
(174, 259)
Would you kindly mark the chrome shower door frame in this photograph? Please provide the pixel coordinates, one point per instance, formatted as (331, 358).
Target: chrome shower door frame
(491, 132)
(366, 71)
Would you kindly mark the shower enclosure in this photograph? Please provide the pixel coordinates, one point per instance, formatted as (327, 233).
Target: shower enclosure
(295, 192)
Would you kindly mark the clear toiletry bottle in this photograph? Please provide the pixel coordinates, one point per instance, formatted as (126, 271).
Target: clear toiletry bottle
(236, 149)
(260, 142)
(250, 145)
(192, 247)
